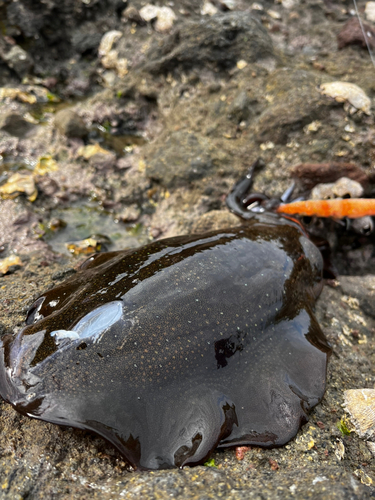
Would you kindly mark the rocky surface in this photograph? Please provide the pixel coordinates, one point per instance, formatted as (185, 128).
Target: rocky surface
(134, 131)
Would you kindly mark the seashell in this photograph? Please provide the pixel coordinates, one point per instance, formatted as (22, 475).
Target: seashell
(360, 404)
(349, 92)
(342, 188)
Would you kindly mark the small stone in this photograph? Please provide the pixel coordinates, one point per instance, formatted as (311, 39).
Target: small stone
(343, 188)
(274, 14)
(70, 124)
(360, 404)
(19, 183)
(14, 124)
(352, 34)
(133, 15)
(19, 60)
(370, 11)
(362, 288)
(91, 150)
(311, 174)
(103, 161)
(239, 109)
(213, 220)
(165, 19)
(84, 247)
(107, 42)
(208, 9)
(130, 213)
(10, 264)
(350, 92)
(149, 12)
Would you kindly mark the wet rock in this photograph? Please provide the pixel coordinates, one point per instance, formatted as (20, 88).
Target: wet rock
(293, 106)
(70, 124)
(311, 174)
(130, 214)
(370, 11)
(14, 124)
(178, 159)
(109, 54)
(102, 161)
(19, 61)
(16, 230)
(164, 16)
(362, 288)
(352, 34)
(17, 184)
(10, 264)
(347, 92)
(209, 9)
(86, 41)
(343, 188)
(132, 14)
(217, 42)
(240, 107)
(216, 219)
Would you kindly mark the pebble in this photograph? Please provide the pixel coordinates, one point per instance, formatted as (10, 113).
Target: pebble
(360, 404)
(70, 124)
(343, 188)
(347, 92)
(164, 16)
(370, 11)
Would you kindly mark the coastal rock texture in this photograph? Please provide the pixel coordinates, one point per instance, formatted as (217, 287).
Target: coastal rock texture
(127, 131)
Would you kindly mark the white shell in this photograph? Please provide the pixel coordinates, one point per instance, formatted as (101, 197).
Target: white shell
(360, 404)
(343, 187)
(370, 11)
(345, 91)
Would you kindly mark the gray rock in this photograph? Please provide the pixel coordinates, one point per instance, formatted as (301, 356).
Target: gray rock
(363, 289)
(297, 103)
(15, 125)
(70, 124)
(240, 107)
(19, 60)
(219, 42)
(213, 220)
(178, 159)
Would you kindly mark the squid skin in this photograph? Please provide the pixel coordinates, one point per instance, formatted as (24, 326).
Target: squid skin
(180, 346)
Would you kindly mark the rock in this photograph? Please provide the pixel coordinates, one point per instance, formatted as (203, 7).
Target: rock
(86, 42)
(370, 11)
(131, 213)
(352, 34)
(216, 219)
(164, 16)
(133, 15)
(109, 54)
(102, 161)
(362, 288)
(347, 92)
(342, 188)
(217, 42)
(179, 159)
(240, 107)
(292, 105)
(310, 174)
(165, 19)
(70, 124)
(19, 61)
(209, 9)
(14, 124)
